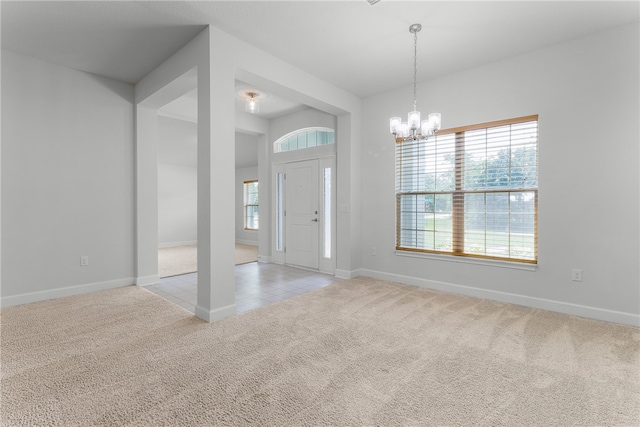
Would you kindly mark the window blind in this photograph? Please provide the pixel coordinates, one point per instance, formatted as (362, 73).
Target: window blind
(251, 205)
(470, 191)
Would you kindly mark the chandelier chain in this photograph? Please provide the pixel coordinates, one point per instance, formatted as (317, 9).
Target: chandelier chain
(415, 69)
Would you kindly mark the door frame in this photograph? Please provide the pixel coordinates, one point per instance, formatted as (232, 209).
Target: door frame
(325, 264)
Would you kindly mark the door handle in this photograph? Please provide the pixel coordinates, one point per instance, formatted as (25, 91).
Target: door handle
(315, 220)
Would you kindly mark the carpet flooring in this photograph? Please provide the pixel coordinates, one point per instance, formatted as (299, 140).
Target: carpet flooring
(177, 260)
(359, 352)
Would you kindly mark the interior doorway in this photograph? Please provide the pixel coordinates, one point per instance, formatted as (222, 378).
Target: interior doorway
(177, 185)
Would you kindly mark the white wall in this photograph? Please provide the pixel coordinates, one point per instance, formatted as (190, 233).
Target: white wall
(67, 181)
(310, 117)
(177, 205)
(249, 237)
(586, 94)
(246, 150)
(177, 182)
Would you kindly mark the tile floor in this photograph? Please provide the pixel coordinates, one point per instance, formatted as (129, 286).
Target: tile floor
(257, 285)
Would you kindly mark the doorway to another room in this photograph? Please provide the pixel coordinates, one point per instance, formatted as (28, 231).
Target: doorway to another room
(310, 206)
(177, 189)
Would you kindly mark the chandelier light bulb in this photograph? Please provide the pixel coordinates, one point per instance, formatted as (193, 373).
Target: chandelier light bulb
(394, 125)
(405, 131)
(414, 120)
(427, 128)
(436, 119)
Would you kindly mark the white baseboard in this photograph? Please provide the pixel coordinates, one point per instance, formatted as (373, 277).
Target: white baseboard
(264, 258)
(148, 280)
(174, 244)
(247, 242)
(541, 303)
(217, 314)
(68, 291)
(347, 274)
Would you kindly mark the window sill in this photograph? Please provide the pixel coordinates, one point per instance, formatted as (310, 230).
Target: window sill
(469, 260)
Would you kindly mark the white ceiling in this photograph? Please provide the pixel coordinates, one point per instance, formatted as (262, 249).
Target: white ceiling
(271, 105)
(360, 48)
(182, 108)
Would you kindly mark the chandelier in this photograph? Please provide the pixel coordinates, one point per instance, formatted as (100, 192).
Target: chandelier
(413, 129)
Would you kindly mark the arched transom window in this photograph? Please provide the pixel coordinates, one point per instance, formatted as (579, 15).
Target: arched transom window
(304, 138)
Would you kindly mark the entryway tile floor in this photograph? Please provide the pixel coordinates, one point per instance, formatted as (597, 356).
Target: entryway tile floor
(257, 285)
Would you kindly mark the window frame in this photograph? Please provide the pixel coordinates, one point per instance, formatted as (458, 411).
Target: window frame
(458, 194)
(245, 190)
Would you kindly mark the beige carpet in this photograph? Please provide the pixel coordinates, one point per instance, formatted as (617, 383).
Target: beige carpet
(184, 259)
(360, 352)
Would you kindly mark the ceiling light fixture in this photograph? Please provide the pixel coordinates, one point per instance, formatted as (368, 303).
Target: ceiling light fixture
(251, 102)
(413, 129)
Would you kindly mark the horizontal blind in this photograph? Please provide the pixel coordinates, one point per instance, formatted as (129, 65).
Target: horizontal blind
(251, 205)
(470, 191)
(251, 192)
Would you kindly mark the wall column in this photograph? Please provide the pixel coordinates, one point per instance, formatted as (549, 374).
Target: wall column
(216, 194)
(147, 195)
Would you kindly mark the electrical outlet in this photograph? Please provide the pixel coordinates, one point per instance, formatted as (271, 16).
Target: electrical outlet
(373, 251)
(84, 260)
(576, 275)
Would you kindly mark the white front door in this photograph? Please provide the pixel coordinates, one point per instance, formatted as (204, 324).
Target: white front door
(301, 213)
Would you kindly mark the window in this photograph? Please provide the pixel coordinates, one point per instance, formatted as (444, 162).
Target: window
(326, 202)
(304, 138)
(280, 212)
(251, 205)
(470, 191)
